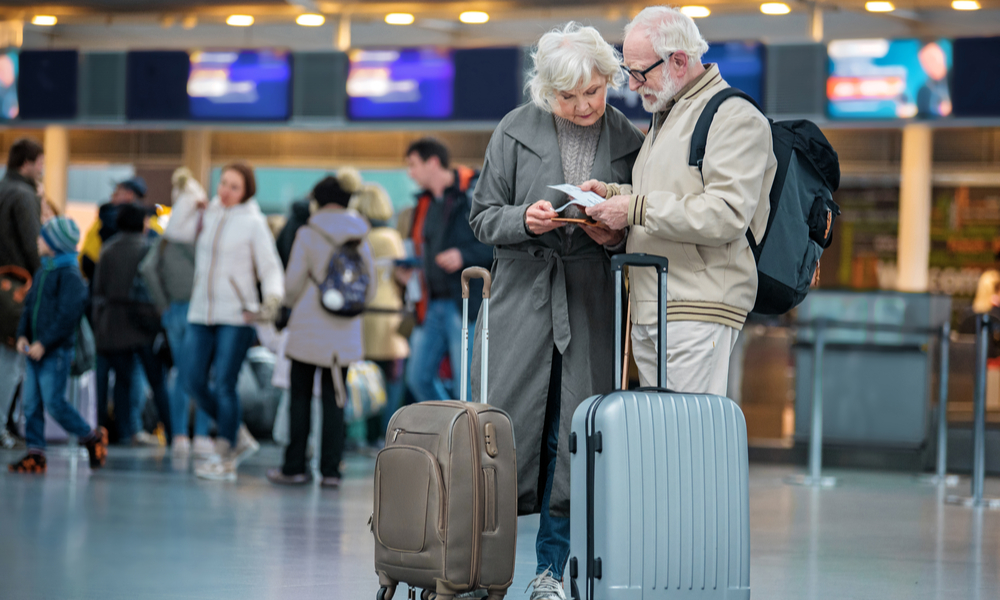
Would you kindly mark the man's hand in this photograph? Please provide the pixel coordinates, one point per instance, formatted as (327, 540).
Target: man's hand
(613, 212)
(539, 217)
(450, 260)
(603, 235)
(22, 345)
(595, 186)
(36, 351)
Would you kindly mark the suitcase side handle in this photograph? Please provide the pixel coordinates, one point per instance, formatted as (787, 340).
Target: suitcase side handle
(661, 264)
(476, 273)
(468, 275)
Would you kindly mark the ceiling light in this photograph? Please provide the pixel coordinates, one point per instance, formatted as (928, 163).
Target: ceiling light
(775, 8)
(878, 7)
(399, 19)
(965, 5)
(309, 20)
(696, 12)
(239, 20)
(44, 20)
(473, 17)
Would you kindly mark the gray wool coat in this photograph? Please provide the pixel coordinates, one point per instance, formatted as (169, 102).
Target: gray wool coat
(542, 297)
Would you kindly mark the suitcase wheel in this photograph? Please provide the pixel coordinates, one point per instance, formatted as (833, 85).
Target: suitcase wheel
(428, 595)
(385, 593)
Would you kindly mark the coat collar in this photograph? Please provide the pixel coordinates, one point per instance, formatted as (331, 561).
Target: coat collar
(15, 176)
(535, 129)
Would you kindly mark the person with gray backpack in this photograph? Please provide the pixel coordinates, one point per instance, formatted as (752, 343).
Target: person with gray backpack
(330, 277)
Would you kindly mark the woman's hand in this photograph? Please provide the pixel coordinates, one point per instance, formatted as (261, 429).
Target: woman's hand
(538, 218)
(603, 235)
(595, 186)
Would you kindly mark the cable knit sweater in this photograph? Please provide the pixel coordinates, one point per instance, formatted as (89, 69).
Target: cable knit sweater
(578, 148)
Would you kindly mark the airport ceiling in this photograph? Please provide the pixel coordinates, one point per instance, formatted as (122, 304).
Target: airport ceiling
(187, 23)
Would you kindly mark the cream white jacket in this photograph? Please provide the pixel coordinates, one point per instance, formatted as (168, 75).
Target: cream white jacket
(699, 219)
(235, 250)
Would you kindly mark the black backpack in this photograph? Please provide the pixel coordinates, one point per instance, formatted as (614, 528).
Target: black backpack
(800, 224)
(345, 287)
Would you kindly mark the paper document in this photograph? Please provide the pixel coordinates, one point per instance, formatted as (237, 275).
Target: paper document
(579, 197)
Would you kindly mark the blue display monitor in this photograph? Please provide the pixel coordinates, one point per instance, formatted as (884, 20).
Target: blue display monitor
(415, 84)
(8, 84)
(741, 64)
(889, 79)
(241, 85)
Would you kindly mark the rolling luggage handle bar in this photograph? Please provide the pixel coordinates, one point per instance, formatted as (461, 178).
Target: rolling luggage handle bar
(661, 264)
(467, 275)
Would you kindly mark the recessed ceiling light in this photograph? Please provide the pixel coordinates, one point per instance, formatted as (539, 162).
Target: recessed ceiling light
(44, 20)
(399, 19)
(474, 17)
(310, 20)
(879, 7)
(775, 8)
(965, 5)
(696, 12)
(239, 20)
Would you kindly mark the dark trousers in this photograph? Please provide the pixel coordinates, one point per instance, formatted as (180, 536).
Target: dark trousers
(300, 417)
(123, 363)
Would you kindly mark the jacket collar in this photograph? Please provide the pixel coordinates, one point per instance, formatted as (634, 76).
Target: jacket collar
(710, 77)
(536, 130)
(15, 176)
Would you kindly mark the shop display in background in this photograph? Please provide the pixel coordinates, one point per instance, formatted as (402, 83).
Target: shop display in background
(965, 238)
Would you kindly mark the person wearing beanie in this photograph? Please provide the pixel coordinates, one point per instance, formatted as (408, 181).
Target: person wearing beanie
(46, 335)
(318, 339)
(126, 322)
(130, 191)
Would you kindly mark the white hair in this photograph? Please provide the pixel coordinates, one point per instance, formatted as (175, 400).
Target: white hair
(669, 30)
(566, 58)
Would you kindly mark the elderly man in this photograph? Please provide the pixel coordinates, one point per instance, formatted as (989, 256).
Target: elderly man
(697, 218)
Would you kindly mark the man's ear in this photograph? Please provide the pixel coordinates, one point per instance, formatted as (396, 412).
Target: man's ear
(680, 60)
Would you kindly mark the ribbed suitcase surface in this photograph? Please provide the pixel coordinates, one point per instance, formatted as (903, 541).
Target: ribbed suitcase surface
(663, 478)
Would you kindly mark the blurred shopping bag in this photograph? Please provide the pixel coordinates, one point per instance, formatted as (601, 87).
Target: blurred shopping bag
(365, 391)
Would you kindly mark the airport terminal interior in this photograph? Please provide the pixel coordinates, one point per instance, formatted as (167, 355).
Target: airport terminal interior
(872, 408)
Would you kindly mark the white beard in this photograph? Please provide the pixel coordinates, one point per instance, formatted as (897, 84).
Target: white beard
(670, 89)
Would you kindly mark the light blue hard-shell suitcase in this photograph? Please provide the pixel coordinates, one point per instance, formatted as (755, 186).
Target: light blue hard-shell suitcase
(659, 495)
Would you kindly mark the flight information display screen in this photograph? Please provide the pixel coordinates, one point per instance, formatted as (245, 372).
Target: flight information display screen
(400, 84)
(243, 85)
(889, 79)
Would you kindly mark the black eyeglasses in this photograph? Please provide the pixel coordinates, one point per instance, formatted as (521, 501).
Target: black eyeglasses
(640, 76)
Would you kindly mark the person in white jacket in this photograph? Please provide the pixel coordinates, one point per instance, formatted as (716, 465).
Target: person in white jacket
(234, 252)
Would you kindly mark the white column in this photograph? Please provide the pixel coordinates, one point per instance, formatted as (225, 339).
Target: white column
(343, 40)
(914, 248)
(56, 147)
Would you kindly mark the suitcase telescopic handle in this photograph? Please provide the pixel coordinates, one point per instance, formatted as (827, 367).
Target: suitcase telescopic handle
(476, 273)
(661, 264)
(468, 275)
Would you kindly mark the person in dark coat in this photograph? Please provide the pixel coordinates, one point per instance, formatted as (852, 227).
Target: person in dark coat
(47, 335)
(125, 319)
(552, 302)
(298, 216)
(444, 241)
(19, 226)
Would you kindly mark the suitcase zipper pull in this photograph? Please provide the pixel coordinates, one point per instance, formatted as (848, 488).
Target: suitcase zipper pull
(395, 434)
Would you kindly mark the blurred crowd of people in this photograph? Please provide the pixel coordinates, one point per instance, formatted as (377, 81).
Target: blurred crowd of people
(164, 303)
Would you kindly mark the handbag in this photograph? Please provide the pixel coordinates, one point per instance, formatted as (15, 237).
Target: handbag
(14, 285)
(84, 349)
(366, 395)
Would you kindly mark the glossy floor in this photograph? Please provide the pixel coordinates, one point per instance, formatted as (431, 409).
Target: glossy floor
(145, 528)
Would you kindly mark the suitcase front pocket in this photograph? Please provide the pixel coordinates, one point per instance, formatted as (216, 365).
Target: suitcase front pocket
(409, 493)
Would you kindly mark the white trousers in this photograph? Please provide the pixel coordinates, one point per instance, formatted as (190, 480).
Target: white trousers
(697, 355)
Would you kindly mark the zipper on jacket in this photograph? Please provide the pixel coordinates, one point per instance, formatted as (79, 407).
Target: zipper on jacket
(38, 304)
(211, 267)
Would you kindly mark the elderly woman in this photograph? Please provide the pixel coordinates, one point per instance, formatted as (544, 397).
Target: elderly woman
(552, 306)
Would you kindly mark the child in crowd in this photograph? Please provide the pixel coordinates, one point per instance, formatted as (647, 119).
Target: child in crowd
(46, 334)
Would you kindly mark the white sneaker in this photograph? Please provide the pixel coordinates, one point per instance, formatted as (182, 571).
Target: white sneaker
(181, 445)
(546, 588)
(203, 446)
(217, 469)
(246, 445)
(143, 438)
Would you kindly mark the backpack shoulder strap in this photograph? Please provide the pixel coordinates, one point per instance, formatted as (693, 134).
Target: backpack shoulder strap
(699, 139)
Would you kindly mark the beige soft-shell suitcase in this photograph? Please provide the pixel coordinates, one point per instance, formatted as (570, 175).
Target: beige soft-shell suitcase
(445, 514)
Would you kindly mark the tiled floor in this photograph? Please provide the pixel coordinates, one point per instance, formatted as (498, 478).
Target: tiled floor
(145, 528)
